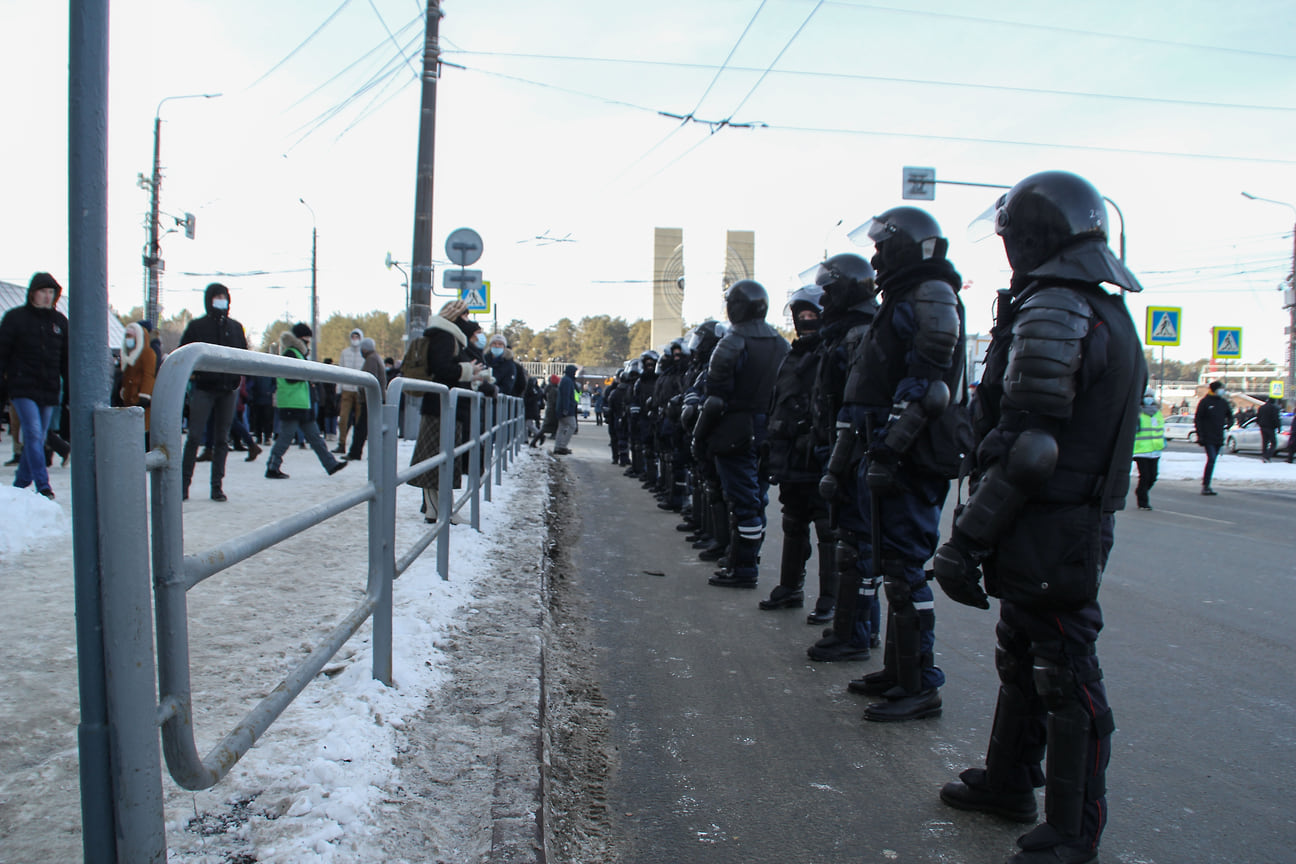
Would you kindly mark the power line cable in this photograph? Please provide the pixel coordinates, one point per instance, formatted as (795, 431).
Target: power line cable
(891, 79)
(774, 62)
(363, 57)
(302, 45)
(413, 71)
(1073, 31)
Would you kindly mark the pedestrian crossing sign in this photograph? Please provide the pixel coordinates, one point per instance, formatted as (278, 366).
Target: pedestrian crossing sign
(477, 297)
(1226, 343)
(1275, 389)
(1163, 325)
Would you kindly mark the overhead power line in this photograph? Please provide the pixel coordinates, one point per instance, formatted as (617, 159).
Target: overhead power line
(300, 46)
(892, 79)
(1072, 31)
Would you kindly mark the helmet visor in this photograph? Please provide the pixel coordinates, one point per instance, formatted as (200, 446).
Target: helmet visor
(871, 233)
(988, 223)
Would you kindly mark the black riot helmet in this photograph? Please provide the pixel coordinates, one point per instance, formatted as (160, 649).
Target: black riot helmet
(847, 280)
(746, 300)
(1044, 214)
(807, 299)
(902, 237)
(703, 339)
(1054, 223)
(648, 361)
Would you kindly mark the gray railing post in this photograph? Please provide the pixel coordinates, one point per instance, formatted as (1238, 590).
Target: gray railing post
(488, 448)
(385, 547)
(474, 462)
(445, 480)
(128, 635)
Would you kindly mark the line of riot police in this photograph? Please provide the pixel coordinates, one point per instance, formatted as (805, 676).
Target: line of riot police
(864, 420)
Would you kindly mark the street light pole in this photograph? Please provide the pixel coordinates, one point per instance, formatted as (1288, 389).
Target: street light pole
(1289, 391)
(153, 255)
(314, 346)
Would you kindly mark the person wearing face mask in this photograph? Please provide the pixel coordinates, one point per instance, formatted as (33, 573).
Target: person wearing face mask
(1149, 441)
(213, 393)
(138, 372)
(449, 362)
(33, 365)
(500, 360)
(793, 463)
(378, 369)
(349, 394)
(295, 410)
(1214, 415)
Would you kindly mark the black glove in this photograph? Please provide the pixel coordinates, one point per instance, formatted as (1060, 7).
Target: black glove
(957, 568)
(829, 488)
(883, 464)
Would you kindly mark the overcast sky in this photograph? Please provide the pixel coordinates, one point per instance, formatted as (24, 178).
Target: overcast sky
(552, 130)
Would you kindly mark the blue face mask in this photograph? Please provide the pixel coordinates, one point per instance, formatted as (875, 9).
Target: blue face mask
(220, 303)
(480, 340)
(496, 351)
(130, 344)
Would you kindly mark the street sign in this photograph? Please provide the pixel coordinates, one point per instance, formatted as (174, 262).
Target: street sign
(1275, 389)
(461, 281)
(1226, 343)
(1163, 325)
(463, 246)
(477, 297)
(919, 184)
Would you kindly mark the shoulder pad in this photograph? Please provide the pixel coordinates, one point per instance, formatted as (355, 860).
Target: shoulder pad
(934, 291)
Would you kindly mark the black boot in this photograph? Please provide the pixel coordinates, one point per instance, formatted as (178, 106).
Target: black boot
(783, 597)
(845, 641)
(827, 601)
(972, 792)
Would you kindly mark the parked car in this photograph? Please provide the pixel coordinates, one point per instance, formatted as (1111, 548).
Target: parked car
(1180, 427)
(1247, 436)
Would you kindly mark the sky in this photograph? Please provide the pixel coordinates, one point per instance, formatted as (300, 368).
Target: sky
(551, 144)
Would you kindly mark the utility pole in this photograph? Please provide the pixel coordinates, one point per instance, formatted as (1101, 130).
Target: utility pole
(153, 254)
(314, 346)
(420, 301)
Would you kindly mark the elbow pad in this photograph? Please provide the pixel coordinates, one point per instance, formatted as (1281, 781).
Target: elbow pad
(1046, 353)
(1006, 486)
(937, 316)
(903, 427)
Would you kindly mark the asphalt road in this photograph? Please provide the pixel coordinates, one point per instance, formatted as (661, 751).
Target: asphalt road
(734, 747)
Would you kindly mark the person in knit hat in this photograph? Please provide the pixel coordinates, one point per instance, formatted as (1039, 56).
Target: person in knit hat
(213, 393)
(34, 372)
(295, 411)
(448, 362)
(372, 364)
(138, 372)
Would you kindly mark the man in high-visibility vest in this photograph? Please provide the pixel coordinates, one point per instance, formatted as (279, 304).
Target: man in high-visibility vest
(1148, 444)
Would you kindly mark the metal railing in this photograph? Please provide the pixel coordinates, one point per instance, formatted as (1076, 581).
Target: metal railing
(135, 708)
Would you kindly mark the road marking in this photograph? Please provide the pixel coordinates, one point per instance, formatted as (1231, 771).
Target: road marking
(1195, 516)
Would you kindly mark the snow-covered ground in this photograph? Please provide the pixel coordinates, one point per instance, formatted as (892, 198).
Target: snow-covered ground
(320, 784)
(353, 771)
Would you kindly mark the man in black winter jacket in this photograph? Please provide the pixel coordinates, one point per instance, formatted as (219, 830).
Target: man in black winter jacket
(212, 393)
(33, 365)
(1214, 415)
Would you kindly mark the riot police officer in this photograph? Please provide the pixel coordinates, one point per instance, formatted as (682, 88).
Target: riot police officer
(849, 304)
(643, 458)
(793, 463)
(1055, 417)
(911, 360)
(732, 422)
(708, 517)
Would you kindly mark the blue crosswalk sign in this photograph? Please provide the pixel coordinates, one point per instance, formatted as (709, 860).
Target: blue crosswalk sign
(1163, 325)
(1227, 343)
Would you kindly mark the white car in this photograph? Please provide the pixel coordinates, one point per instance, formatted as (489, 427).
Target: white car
(1247, 436)
(1180, 427)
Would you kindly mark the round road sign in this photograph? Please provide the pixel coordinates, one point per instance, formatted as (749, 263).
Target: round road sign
(464, 246)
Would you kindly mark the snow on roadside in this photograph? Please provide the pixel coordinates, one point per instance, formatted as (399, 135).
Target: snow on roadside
(309, 791)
